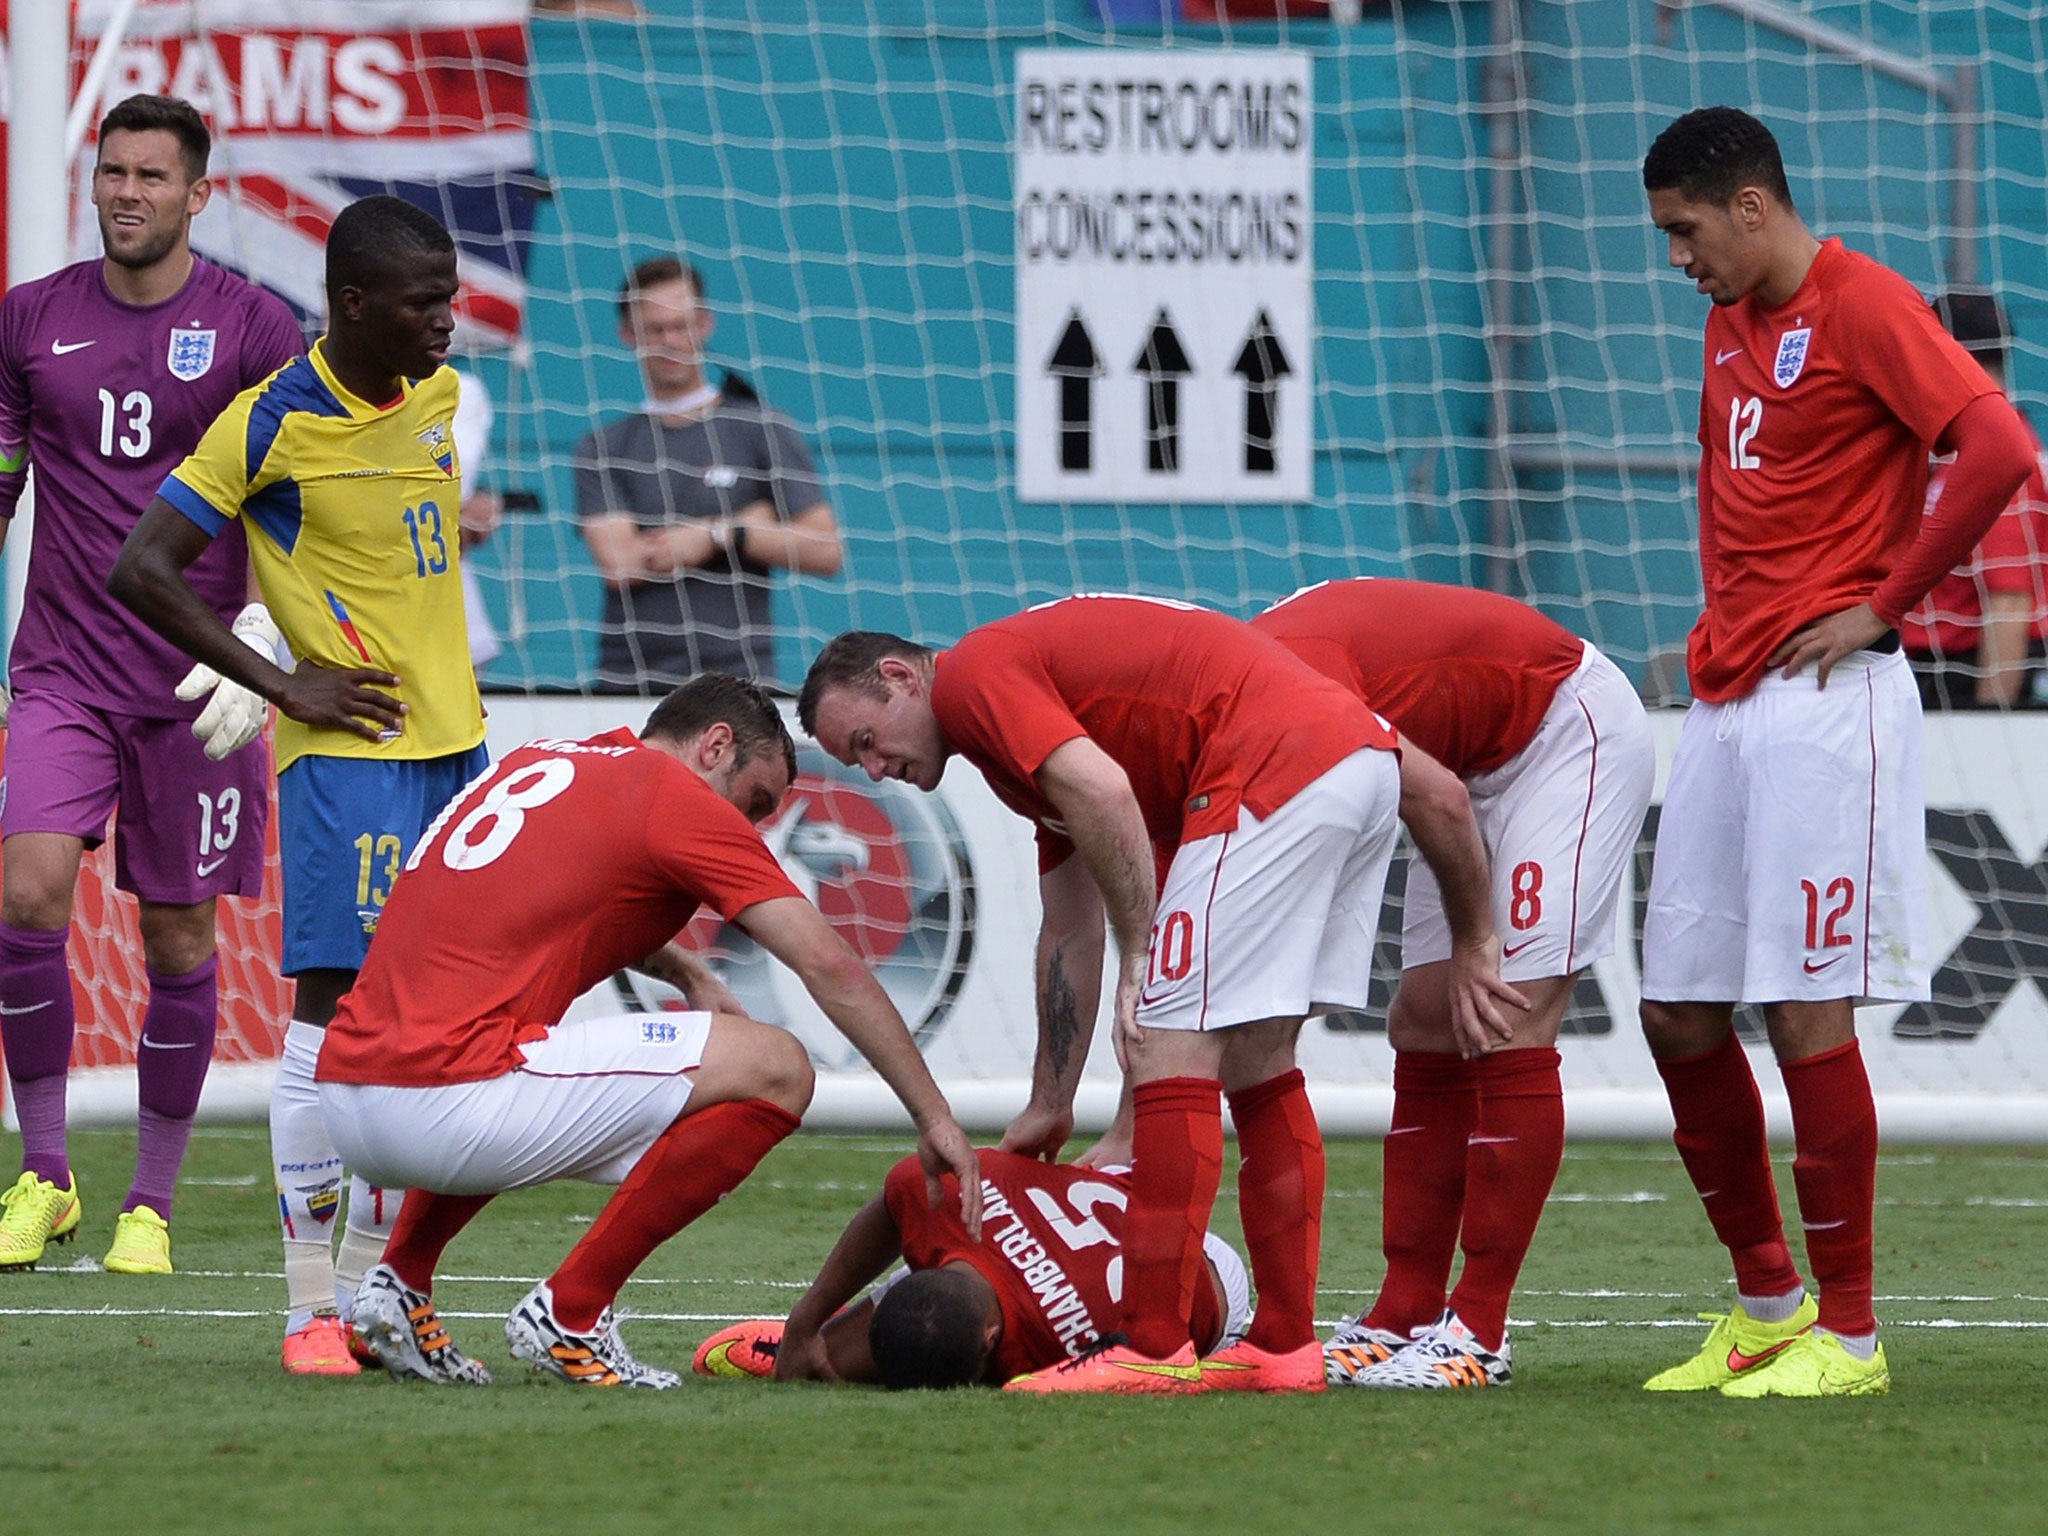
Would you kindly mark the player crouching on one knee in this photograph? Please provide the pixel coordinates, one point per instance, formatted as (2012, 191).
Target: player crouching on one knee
(1037, 1288)
(448, 1070)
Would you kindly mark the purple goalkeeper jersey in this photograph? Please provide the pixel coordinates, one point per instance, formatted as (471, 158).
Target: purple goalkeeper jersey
(105, 399)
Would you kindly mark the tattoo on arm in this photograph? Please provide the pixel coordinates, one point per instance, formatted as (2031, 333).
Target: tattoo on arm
(1057, 1011)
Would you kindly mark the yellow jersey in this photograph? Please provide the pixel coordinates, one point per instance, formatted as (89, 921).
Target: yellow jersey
(351, 511)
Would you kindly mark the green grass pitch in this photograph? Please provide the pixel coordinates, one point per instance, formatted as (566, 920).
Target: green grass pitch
(156, 1404)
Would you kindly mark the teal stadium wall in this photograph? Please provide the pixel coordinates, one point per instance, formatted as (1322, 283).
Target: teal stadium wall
(844, 184)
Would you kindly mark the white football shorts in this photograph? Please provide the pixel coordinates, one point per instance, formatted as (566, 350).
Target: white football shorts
(1792, 852)
(1560, 820)
(587, 1104)
(1277, 918)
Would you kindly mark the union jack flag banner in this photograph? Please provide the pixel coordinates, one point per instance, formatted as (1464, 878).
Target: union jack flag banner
(315, 103)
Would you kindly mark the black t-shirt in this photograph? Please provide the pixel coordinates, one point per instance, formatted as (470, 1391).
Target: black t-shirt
(714, 618)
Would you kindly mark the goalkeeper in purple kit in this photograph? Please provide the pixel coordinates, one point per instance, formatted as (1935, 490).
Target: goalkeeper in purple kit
(110, 370)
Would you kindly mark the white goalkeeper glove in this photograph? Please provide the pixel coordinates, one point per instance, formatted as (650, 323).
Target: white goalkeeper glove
(235, 715)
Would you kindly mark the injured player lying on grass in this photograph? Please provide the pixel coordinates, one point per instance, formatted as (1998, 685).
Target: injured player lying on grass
(1038, 1288)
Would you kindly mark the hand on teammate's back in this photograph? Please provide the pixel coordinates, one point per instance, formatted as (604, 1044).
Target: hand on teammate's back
(1039, 1132)
(346, 699)
(943, 1148)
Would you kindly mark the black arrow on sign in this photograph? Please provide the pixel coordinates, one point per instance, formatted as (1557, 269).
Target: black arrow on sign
(1164, 363)
(1075, 365)
(1262, 365)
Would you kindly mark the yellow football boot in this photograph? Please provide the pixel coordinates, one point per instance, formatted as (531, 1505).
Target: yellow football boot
(33, 1214)
(142, 1243)
(1736, 1345)
(1814, 1365)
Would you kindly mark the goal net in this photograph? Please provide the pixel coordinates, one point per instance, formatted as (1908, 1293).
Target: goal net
(1499, 381)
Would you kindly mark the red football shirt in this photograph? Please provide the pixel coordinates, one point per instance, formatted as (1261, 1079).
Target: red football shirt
(1050, 1245)
(2012, 558)
(567, 861)
(1465, 675)
(1815, 421)
(1202, 712)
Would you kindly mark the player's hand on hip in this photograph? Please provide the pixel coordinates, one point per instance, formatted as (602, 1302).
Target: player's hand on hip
(1039, 1132)
(234, 715)
(1828, 640)
(943, 1148)
(1482, 1005)
(352, 699)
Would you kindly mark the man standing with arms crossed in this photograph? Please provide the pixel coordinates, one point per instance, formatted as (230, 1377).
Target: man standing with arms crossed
(1232, 813)
(109, 372)
(1791, 856)
(343, 470)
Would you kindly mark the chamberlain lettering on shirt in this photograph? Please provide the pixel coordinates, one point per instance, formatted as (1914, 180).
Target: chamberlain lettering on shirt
(1062, 1306)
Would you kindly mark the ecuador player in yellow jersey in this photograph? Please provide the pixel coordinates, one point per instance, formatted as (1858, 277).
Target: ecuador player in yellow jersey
(341, 466)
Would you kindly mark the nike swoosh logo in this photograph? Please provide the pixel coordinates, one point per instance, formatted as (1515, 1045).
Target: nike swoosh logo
(1508, 952)
(59, 348)
(169, 1045)
(1738, 1362)
(207, 869)
(1722, 357)
(1490, 1141)
(1824, 1226)
(1815, 970)
(31, 1008)
(1164, 1368)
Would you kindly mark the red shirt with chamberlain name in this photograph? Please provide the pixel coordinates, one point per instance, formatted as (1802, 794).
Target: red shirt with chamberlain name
(1202, 712)
(567, 861)
(1815, 421)
(1050, 1245)
(1465, 675)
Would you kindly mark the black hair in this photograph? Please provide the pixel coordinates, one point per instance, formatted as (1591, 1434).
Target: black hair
(1709, 155)
(1977, 320)
(167, 114)
(376, 234)
(712, 698)
(927, 1331)
(853, 661)
(652, 273)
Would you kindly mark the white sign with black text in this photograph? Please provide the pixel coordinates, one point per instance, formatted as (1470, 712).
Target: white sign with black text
(1164, 273)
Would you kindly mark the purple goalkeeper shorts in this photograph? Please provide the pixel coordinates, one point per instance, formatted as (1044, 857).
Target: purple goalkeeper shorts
(189, 829)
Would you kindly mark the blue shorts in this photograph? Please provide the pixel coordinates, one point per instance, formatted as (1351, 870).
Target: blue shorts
(345, 827)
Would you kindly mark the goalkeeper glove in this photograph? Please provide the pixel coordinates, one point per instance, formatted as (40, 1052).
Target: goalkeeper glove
(234, 716)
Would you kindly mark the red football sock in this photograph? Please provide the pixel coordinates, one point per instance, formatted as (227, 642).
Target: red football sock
(1510, 1164)
(427, 1223)
(1720, 1138)
(1280, 1199)
(1834, 1168)
(1436, 1103)
(692, 1165)
(1176, 1164)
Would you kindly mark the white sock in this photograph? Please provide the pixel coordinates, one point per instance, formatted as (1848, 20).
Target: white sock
(308, 1172)
(371, 1213)
(1773, 1309)
(1860, 1346)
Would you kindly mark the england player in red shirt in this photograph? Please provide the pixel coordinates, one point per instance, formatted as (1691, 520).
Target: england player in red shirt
(1555, 750)
(1039, 1285)
(1232, 813)
(1791, 856)
(447, 1073)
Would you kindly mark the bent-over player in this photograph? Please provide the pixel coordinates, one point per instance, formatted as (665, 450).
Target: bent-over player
(1232, 812)
(1554, 748)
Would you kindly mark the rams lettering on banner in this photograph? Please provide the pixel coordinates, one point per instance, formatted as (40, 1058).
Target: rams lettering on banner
(316, 104)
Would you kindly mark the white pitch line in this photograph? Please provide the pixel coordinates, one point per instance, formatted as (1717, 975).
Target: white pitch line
(1948, 1323)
